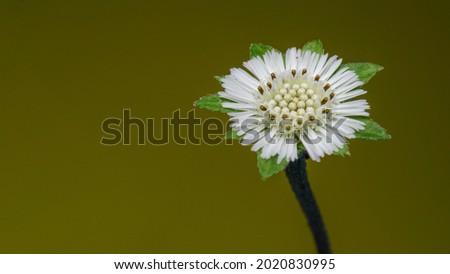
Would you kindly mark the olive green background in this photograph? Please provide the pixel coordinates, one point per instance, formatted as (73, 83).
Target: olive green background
(65, 66)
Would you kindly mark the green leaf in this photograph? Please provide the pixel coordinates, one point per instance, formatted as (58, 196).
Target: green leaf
(314, 46)
(231, 134)
(270, 167)
(365, 71)
(212, 102)
(372, 131)
(344, 151)
(258, 49)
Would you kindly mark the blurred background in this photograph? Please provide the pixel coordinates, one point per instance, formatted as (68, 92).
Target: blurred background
(65, 66)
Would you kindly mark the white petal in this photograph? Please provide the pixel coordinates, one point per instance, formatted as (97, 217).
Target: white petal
(312, 63)
(304, 60)
(245, 78)
(274, 62)
(336, 76)
(258, 68)
(231, 85)
(237, 105)
(283, 150)
(349, 95)
(237, 97)
(292, 57)
(346, 88)
(292, 153)
(262, 142)
(320, 64)
(310, 148)
(341, 78)
(330, 67)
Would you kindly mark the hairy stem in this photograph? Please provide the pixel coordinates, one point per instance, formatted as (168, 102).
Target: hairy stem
(298, 178)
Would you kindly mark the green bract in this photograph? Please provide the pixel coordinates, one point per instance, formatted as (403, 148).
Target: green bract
(269, 167)
(314, 46)
(259, 50)
(372, 131)
(365, 71)
(212, 102)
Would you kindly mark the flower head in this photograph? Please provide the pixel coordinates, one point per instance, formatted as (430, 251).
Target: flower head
(285, 103)
(300, 98)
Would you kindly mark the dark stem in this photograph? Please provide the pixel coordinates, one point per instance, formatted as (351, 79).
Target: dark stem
(298, 177)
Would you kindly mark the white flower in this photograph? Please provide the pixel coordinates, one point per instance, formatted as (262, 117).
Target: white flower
(300, 97)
